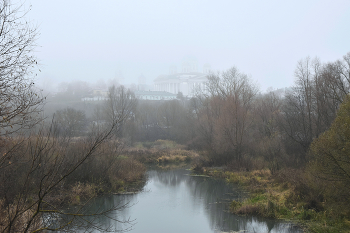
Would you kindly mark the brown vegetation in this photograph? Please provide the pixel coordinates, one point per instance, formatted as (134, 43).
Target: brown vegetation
(160, 152)
(42, 173)
(289, 194)
(290, 148)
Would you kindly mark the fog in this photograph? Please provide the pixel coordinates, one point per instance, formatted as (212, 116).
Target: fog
(105, 40)
(93, 92)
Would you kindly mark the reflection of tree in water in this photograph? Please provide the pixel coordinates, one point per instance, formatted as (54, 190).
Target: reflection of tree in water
(122, 215)
(169, 177)
(214, 195)
(97, 223)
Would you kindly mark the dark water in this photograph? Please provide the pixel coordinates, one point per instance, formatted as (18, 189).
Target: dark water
(174, 202)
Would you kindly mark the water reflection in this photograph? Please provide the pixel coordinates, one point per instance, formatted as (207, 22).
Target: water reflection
(176, 202)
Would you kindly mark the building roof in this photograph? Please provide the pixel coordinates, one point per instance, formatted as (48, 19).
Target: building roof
(154, 93)
(178, 76)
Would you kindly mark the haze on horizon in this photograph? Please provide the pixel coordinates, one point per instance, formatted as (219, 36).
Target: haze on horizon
(98, 40)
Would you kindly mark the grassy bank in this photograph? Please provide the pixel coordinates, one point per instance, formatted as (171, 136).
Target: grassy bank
(123, 169)
(105, 171)
(161, 152)
(282, 196)
(128, 175)
(44, 174)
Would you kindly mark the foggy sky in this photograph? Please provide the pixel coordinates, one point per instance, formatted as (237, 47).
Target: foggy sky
(91, 40)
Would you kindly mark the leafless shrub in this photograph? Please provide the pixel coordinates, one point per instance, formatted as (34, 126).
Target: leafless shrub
(20, 103)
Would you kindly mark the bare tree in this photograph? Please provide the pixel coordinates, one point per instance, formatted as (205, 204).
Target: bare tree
(120, 104)
(20, 104)
(33, 172)
(236, 95)
(225, 115)
(298, 108)
(71, 121)
(148, 127)
(311, 106)
(34, 168)
(267, 134)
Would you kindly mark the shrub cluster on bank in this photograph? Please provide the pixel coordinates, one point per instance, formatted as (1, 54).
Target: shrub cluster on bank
(161, 152)
(44, 172)
(290, 194)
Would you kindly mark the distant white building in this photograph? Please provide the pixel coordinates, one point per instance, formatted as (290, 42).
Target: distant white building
(154, 95)
(187, 81)
(96, 95)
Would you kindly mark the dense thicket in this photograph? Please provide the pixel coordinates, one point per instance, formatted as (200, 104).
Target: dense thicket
(233, 122)
(236, 124)
(330, 159)
(40, 165)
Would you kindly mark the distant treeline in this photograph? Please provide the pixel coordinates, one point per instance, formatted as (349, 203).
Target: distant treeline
(230, 118)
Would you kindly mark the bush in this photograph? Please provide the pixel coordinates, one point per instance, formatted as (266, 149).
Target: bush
(330, 160)
(81, 192)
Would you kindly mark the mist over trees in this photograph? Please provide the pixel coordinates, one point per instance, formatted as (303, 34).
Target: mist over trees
(42, 159)
(58, 147)
(231, 120)
(45, 150)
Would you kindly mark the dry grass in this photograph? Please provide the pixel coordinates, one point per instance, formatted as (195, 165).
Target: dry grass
(288, 194)
(176, 156)
(162, 152)
(23, 216)
(128, 170)
(158, 145)
(80, 192)
(248, 210)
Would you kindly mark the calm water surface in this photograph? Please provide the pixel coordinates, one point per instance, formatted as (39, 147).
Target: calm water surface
(174, 202)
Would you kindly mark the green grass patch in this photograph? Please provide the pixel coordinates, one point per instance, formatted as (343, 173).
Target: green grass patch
(275, 199)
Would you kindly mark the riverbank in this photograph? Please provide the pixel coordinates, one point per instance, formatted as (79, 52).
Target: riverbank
(277, 196)
(288, 194)
(129, 178)
(129, 168)
(47, 174)
(199, 203)
(161, 152)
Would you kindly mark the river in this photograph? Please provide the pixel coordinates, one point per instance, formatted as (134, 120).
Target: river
(172, 201)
